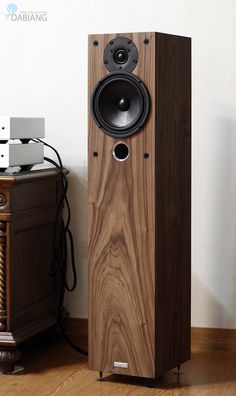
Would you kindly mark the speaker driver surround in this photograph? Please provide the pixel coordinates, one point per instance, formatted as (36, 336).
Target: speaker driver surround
(120, 104)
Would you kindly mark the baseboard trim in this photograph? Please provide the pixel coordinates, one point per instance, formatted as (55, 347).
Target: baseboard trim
(77, 331)
(213, 339)
(76, 328)
(202, 338)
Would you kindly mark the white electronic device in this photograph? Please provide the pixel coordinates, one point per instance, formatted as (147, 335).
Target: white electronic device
(21, 128)
(18, 154)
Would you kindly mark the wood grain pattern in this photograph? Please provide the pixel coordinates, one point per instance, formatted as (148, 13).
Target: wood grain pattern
(52, 368)
(31, 293)
(128, 321)
(173, 201)
(202, 338)
(121, 235)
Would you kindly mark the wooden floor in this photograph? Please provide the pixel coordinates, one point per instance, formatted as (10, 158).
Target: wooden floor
(53, 368)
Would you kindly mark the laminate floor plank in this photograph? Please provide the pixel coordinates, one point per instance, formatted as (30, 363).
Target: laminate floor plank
(46, 365)
(212, 373)
(52, 368)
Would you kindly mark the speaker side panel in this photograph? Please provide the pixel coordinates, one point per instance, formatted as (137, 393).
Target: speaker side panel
(121, 199)
(173, 201)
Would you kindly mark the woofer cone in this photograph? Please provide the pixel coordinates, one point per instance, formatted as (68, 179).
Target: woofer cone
(120, 104)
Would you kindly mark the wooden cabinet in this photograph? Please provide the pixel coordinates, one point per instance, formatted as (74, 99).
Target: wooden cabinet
(28, 290)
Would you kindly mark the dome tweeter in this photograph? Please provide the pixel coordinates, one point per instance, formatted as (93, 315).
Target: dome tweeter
(120, 54)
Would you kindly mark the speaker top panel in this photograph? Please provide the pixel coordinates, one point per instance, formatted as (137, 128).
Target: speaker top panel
(120, 54)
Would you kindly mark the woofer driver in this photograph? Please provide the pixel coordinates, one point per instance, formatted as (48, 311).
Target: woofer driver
(120, 104)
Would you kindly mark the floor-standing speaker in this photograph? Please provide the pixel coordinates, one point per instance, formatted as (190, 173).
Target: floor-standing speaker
(139, 202)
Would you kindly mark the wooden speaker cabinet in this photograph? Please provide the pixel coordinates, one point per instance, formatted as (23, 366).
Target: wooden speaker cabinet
(28, 293)
(139, 202)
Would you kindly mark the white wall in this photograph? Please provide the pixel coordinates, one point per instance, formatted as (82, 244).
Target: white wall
(43, 72)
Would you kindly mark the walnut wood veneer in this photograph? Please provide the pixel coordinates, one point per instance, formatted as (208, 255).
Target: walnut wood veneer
(28, 293)
(139, 219)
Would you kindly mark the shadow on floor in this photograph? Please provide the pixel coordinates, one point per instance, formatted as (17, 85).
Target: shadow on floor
(49, 351)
